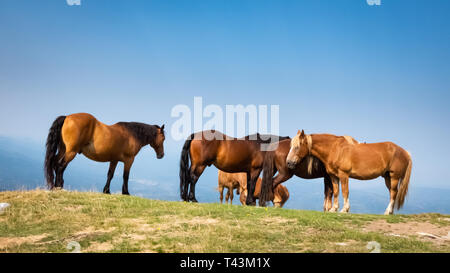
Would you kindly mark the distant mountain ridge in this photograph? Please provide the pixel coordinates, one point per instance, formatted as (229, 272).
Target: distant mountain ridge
(21, 167)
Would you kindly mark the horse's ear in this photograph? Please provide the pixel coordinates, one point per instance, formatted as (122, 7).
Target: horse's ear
(302, 134)
(162, 127)
(298, 132)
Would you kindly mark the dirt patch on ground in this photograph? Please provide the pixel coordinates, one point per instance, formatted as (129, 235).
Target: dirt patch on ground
(277, 220)
(202, 221)
(99, 247)
(91, 231)
(169, 221)
(7, 242)
(423, 230)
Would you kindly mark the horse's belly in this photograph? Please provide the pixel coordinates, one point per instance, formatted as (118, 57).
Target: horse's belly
(231, 167)
(232, 162)
(366, 174)
(367, 165)
(92, 153)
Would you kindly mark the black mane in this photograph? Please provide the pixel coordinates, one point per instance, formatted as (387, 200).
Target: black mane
(265, 138)
(144, 133)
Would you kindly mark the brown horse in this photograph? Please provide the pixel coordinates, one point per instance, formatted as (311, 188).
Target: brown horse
(280, 194)
(228, 154)
(83, 133)
(360, 161)
(238, 181)
(230, 181)
(309, 168)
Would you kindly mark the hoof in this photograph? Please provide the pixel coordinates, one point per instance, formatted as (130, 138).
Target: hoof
(125, 193)
(106, 192)
(333, 210)
(343, 211)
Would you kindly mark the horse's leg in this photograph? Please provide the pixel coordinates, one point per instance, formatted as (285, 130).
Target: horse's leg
(251, 184)
(227, 197)
(230, 190)
(243, 197)
(392, 185)
(112, 169)
(277, 198)
(328, 191)
(277, 180)
(221, 194)
(344, 182)
(126, 175)
(280, 178)
(335, 182)
(62, 165)
(196, 172)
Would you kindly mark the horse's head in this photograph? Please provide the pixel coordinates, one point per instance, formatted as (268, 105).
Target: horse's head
(300, 146)
(158, 142)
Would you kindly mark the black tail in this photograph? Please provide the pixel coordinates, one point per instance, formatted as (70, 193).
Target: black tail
(54, 146)
(267, 179)
(185, 170)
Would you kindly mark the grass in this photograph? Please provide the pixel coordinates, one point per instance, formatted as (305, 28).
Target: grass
(43, 221)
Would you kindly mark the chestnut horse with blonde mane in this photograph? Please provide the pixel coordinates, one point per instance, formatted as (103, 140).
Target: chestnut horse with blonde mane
(233, 155)
(308, 168)
(84, 134)
(360, 161)
(238, 181)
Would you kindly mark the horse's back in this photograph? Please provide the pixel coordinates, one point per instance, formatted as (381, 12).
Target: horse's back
(79, 121)
(384, 149)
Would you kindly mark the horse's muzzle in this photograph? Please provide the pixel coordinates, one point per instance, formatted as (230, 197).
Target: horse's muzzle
(160, 156)
(291, 164)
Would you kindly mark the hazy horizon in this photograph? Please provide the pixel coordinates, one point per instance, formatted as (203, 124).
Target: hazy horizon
(377, 73)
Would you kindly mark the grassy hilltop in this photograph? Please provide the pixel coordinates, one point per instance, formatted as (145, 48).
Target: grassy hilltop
(43, 221)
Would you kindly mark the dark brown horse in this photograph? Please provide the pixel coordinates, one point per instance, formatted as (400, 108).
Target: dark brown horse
(309, 168)
(84, 134)
(228, 154)
(343, 159)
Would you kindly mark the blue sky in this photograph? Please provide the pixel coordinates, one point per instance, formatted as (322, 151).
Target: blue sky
(376, 73)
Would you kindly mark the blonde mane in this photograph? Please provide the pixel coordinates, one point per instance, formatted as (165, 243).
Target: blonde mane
(309, 142)
(351, 140)
(296, 143)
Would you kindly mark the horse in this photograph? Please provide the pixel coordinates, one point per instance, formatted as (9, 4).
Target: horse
(230, 181)
(362, 161)
(239, 181)
(83, 134)
(309, 168)
(211, 147)
(280, 194)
